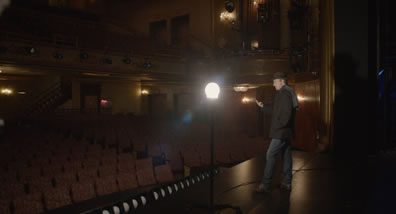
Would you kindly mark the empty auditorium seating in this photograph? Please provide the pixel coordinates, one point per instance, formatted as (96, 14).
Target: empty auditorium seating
(87, 174)
(5, 206)
(144, 171)
(63, 169)
(73, 166)
(163, 173)
(29, 173)
(82, 191)
(57, 197)
(127, 180)
(51, 170)
(174, 159)
(191, 158)
(106, 185)
(39, 184)
(12, 190)
(65, 179)
(109, 170)
(29, 204)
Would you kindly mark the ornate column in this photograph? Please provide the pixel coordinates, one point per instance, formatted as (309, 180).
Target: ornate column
(327, 85)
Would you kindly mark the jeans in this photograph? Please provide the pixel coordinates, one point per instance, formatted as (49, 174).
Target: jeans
(277, 146)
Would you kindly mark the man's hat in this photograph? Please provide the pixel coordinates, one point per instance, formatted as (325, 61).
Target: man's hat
(279, 75)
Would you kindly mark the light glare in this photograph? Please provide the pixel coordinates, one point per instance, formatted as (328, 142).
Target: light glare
(212, 90)
(6, 91)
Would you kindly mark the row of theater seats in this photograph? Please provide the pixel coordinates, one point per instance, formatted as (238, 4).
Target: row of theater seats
(44, 170)
(32, 182)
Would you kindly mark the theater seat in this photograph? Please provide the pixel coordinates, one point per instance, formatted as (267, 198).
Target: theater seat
(5, 206)
(82, 191)
(29, 204)
(106, 185)
(146, 176)
(127, 181)
(192, 158)
(164, 173)
(57, 197)
(40, 184)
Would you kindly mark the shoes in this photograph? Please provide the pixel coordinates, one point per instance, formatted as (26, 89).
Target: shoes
(286, 187)
(261, 188)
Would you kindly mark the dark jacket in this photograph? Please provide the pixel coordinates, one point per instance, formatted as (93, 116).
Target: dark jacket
(283, 114)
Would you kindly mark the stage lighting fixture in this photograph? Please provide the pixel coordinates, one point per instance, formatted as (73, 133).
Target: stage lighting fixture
(116, 210)
(163, 193)
(169, 188)
(212, 90)
(135, 203)
(83, 55)
(156, 195)
(192, 180)
(143, 200)
(126, 207)
(181, 184)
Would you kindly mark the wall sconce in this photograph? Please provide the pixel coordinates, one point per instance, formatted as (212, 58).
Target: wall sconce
(254, 44)
(240, 89)
(246, 100)
(145, 92)
(226, 16)
(6, 91)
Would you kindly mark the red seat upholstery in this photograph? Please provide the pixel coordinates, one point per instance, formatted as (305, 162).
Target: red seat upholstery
(164, 173)
(127, 181)
(106, 185)
(82, 191)
(57, 197)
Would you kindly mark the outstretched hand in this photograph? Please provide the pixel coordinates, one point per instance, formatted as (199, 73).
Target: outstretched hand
(259, 103)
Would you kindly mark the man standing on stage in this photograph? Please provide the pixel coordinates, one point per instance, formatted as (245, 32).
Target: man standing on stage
(281, 132)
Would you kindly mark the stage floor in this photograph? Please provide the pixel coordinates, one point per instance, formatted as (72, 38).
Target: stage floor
(318, 186)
